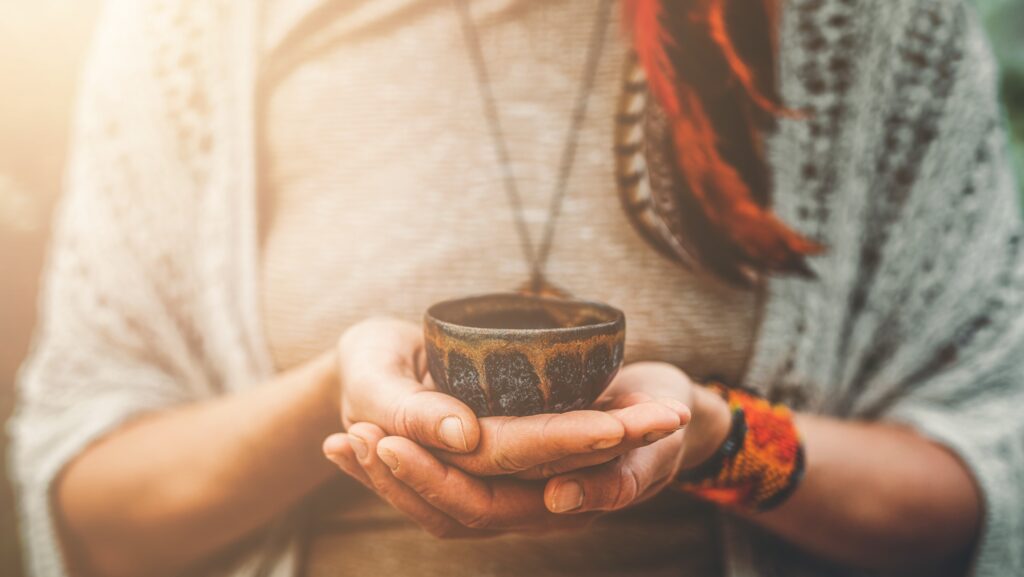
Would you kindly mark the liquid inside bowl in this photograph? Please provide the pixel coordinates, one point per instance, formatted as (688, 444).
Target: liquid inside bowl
(520, 312)
(536, 319)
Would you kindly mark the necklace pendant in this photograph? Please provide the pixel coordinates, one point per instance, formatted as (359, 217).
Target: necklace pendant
(540, 287)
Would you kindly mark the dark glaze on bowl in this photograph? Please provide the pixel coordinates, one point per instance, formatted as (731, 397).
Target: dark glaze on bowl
(516, 355)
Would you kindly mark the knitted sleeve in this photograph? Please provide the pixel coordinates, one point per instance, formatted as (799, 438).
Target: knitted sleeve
(901, 168)
(117, 335)
(936, 335)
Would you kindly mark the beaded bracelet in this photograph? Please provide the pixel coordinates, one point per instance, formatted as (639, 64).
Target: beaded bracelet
(759, 464)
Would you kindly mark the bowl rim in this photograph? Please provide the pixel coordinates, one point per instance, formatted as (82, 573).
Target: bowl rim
(617, 316)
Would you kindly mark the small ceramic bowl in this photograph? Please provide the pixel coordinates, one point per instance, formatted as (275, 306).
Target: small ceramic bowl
(517, 355)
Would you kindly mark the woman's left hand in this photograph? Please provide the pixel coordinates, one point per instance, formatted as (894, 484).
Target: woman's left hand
(437, 491)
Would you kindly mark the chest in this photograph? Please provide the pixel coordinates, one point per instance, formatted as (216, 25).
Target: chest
(388, 196)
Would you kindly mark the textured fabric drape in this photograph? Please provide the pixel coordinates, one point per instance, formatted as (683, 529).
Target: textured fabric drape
(901, 170)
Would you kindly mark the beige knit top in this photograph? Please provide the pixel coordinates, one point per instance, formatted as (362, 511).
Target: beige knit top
(387, 197)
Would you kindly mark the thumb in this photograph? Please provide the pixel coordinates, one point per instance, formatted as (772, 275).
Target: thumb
(380, 385)
(434, 419)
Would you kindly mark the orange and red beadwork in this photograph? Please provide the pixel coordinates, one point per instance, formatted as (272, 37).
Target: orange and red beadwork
(760, 463)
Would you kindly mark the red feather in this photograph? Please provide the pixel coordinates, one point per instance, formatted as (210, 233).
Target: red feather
(763, 240)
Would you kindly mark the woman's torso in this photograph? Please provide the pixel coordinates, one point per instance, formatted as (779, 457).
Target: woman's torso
(386, 197)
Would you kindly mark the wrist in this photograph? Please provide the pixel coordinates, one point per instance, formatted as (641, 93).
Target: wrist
(325, 388)
(759, 464)
(708, 428)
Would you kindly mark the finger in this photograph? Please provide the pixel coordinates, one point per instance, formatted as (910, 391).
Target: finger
(338, 450)
(609, 402)
(654, 379)
(630, 479)
(645, 382)
(652, 421)
(436, 420)
(380, 364)
(496, 504)
(512, 444)
(404, 407)
(612, 404)
(644, 424)
(363, 438)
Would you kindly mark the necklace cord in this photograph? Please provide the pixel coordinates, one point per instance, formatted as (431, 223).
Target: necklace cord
(537, 258)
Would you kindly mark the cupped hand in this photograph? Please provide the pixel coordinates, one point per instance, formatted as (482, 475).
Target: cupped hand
(437, 490)
(444, 500)
(541, 446)
(384, 382)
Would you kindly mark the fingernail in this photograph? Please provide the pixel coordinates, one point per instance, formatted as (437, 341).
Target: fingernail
(606, 443)
(389, 459)
(568, 497)
(334, 445)
(656, 436)
(451, 433)
(676, 405)
(359, 446)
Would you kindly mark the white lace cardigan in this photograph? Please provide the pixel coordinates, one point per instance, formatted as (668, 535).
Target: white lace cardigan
(900, 169)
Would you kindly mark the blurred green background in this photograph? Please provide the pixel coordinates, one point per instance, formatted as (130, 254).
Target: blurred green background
(41, 46)
(1004, 20)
